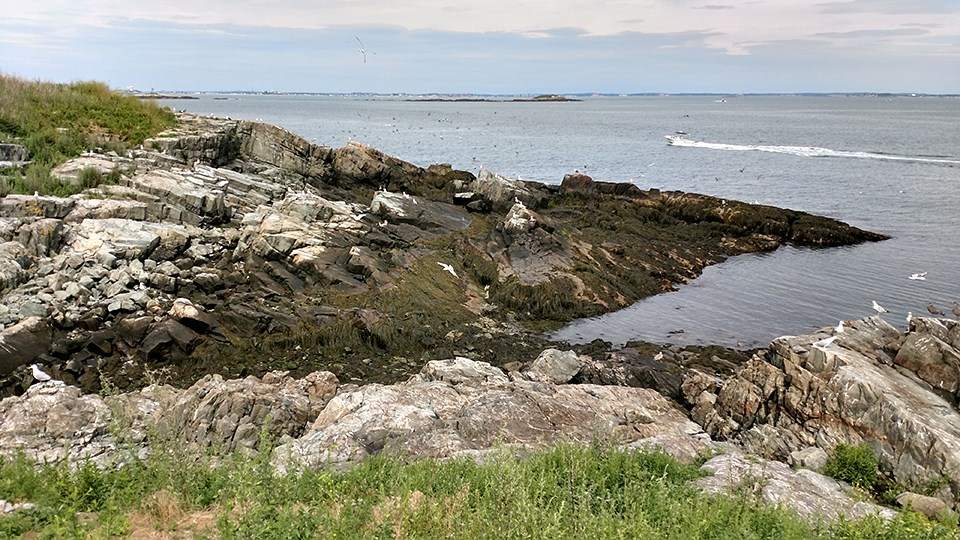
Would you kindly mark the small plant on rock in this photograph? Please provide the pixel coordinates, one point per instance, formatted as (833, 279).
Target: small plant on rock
(856, 464)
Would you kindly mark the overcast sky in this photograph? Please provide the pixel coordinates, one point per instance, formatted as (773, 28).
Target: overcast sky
(488, 46)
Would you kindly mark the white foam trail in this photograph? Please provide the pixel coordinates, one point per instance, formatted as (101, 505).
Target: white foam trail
(809, 151)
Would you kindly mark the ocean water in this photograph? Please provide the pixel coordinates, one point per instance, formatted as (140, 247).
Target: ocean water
(886, 164)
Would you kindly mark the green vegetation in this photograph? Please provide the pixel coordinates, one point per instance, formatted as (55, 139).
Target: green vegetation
(58, 121)
(567, 492)
(855, 464)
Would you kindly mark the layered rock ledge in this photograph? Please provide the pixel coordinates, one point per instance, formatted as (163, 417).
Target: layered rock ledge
(895, 392)
(454, 408)
(287, 255)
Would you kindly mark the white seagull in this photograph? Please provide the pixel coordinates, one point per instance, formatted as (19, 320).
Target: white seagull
(839, 327)
(825, 342)
(922, 276)
(909, 319)
(658, 356)
(878, 308)
(362, 52)
(449, 268)
(39, 375)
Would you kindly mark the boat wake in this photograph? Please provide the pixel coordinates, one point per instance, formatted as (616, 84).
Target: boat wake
(806, 151)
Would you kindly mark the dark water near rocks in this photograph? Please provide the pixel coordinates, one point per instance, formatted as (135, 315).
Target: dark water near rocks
(890, 165)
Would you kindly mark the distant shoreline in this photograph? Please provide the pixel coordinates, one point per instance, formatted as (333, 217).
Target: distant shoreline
(538, 99)
(164, 96)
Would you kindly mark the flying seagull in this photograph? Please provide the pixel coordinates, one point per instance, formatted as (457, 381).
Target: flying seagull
(449, 268)
(922, 276)
(878, 308)
(39, 375)
(362, 51)
(934, 310)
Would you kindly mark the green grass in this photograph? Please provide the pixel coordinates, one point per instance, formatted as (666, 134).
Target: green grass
(566, 492)
(59, 121)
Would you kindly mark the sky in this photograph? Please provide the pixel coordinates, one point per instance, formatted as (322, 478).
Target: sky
(488, 46)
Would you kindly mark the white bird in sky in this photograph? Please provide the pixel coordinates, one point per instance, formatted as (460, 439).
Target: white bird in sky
(920, 276)
(878, 308)
(825, 342)
(449, 268)
(38, 374)
(362, 51)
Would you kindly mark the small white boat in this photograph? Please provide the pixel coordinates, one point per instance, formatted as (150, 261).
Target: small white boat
(673, 139)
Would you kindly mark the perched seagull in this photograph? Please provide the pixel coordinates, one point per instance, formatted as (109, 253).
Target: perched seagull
(934, 310)
(358, 217)
(955, 309)
(39, 375)
(909, 319)
(449, 268)
(839, 328)
(383, 224)
(922, 276)
(878, 308)
(658, 356)
(825, 342)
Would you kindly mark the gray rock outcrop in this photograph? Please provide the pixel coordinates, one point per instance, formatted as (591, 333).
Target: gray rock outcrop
(857, 390)
(812, 495)
(460, 407)
(53, 422)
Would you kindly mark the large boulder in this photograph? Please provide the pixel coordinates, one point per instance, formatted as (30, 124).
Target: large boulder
(23, 342)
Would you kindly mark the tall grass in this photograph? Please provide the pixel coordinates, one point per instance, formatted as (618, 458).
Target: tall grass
(566, 492)
(59, 121)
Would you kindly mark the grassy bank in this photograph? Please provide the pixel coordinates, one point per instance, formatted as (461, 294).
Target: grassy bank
(567, 492)
(59, 121)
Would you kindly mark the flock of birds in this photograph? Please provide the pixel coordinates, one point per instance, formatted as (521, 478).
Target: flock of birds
(931, 308)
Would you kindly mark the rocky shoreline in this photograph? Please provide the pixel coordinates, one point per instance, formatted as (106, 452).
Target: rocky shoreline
(301, 257)
(238, 280)
(774, 420)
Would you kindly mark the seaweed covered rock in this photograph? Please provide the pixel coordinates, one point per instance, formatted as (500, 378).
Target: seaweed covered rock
(308, 258)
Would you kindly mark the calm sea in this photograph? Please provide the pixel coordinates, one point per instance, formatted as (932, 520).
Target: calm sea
(890, 165)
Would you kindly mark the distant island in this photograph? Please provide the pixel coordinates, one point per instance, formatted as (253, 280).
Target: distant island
(540, 98)
(163, 96)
